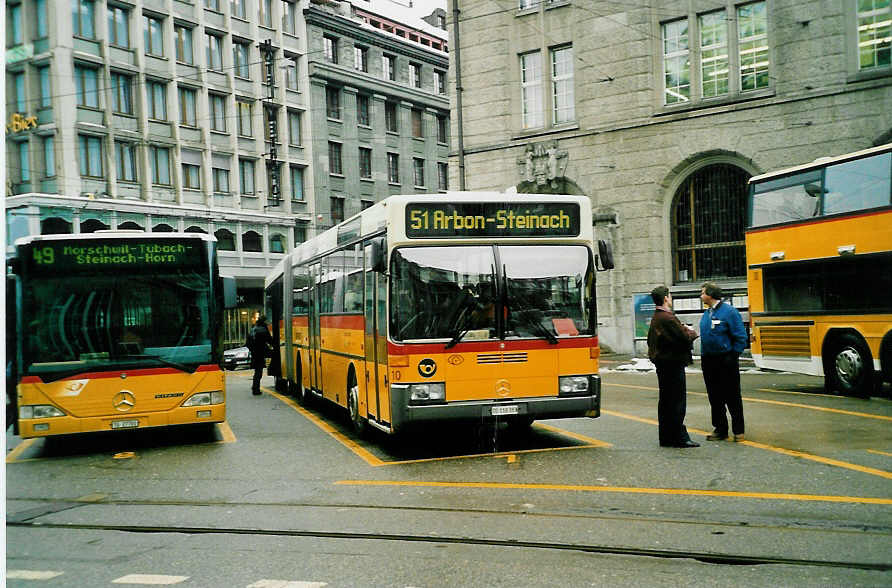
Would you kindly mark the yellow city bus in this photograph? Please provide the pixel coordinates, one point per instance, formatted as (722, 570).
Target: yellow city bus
(457, 306)
(118, 330)
(819, 256)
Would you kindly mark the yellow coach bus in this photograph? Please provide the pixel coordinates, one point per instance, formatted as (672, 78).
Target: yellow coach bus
(118, 330)
(457, 306)
(819, 256)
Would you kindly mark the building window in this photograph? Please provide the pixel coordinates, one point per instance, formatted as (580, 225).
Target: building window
(159, 162)
(415, 75)
(361, 58)
(362, 110)
(393, 168)
(185, 53)
(330, 48)
(154, 37)
(442, 129)
(334, 158)
(49, 156)
(214, 52)
(440, 82)
(221, 179)
(156, 100)
(252, 242)
(245, 115)
(708, 218)
(277, 243)
(212, 5)
(18, 82)
(333, 103)
(874, 33)
(125, 160)
(43, 76)
(676, 62)
(187, 107)
(337, 210)
(225, 240)
(246, 176)
(217, 112)
(531, 90)
(82, 18)
(713, 54)
(417, 123)
(752, 40)
(363, 204)
(563, 101)
(24, 161)
(122, 98)
(118, 26)
(390, 117)
(365, 163)
(289, 18)
(266, 13)
(239, 9)
(87, 86)
(297, 184)
(291, 72)
(418, 164)
(90, 155)
(240, 60)
(41, 18)
(442, 176)
(191, 176)
(294, 127)
(388, 65)
(14, 25)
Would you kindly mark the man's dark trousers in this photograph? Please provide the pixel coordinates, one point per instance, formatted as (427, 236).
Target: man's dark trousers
(672, 402)
(721, 373)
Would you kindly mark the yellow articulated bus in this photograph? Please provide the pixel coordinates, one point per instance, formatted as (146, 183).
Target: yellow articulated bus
(458, 306)
(819, 256)
(118, 330)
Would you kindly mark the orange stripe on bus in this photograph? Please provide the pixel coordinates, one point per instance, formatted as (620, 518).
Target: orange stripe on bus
(343, 321)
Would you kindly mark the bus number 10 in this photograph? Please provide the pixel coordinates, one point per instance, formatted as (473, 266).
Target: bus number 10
(44, 256)
(419, 219)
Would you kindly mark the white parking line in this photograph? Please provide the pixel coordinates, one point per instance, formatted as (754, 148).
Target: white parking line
(150, 579)
(286, 584)
(31, 575)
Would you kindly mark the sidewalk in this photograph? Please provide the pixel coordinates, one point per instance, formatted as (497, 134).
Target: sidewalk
(640, 363)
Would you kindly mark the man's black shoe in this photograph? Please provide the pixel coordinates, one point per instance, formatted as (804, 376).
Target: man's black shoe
(716, 436)
(681, 444)
(255, 392)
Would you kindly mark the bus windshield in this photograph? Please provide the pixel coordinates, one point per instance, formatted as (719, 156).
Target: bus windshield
(78, 323)
(542, 291)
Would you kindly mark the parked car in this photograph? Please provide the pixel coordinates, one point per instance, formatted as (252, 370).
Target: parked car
(237, 359)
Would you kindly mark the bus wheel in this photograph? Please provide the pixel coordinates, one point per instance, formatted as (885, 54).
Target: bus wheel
(359, 424)
(851, 367)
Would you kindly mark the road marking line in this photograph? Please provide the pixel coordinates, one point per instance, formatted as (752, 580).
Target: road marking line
(286, 584)
(790, 452)
(590, 441)
(13, 455)
(621, 490)
(226, 432)
(152, 579)
(31, 575)
(878, 452)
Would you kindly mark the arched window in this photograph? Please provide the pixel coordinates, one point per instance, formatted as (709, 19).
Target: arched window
(92, 225)
(162, 228)
(194, 229)
(251, 241)
(225, 240)
(55, 226)
(708, 218)
(129, 226)
(277, 243)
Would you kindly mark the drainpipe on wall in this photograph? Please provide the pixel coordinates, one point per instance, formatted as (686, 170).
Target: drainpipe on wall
(458, 91)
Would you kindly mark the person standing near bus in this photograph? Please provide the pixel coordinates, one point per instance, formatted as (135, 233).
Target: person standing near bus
(260, 343)
(722, 340)
(669, 348)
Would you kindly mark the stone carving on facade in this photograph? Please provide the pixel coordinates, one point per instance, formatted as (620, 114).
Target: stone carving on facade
(543, 163)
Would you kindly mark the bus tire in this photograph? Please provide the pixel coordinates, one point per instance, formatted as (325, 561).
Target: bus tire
(849, 366)
(886, 357)
(297, 388)
(360, 426)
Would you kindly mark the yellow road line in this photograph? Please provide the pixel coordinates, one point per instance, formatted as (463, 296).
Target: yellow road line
(226, 433)
(22, 447)
(878, 452)
(790, 452)
(589, 440)
(621, 490)
(368, 457)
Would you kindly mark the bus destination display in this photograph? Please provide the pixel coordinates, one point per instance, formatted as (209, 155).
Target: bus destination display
(492, 219)
(56, 256)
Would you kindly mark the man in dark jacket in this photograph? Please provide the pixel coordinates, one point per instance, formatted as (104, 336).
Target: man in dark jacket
(722, 340)
(260, 344)
(669, 348)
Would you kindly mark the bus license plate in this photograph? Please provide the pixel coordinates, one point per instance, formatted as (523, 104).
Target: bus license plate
(501, 410)
(124, 424)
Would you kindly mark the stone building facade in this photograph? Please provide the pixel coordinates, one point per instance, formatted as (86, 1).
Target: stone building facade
(660, 113)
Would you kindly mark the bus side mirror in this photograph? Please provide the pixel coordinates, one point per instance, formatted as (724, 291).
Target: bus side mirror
(377, 255)
(229, 296)
(605, 256)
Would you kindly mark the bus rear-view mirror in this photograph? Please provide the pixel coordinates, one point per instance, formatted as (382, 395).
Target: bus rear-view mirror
(604, 260)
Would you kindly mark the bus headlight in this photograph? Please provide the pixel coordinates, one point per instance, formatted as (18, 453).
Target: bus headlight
(428, 392)
(205, 398)
(39, 411)
(573, 385)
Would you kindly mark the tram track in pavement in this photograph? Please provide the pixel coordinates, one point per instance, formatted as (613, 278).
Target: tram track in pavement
(26, 519)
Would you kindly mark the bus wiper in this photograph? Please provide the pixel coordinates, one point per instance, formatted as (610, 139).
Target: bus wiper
(462, 320)
(529, 318)
(176, 365)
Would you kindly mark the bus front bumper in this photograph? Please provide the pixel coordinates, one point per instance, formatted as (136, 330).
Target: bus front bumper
(69, 425)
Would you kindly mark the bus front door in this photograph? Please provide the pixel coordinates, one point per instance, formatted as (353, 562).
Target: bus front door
(315, 355)
(377, 393)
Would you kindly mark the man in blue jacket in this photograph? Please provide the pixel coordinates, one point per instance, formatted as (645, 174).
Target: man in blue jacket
(722, 339)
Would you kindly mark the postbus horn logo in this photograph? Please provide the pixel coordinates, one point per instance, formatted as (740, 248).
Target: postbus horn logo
(427, 367)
